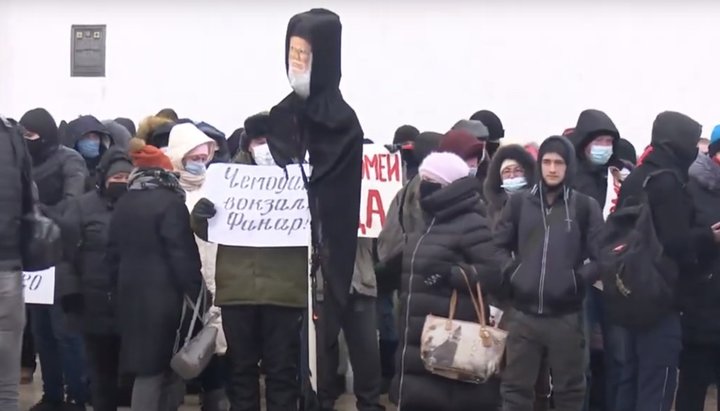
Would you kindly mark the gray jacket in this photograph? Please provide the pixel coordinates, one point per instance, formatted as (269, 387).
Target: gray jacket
(363, 280)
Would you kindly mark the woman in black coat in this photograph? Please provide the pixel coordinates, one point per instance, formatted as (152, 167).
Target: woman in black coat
(700, 357)
(456, 235)
(512, 169)
(87, 291)
(153, 251)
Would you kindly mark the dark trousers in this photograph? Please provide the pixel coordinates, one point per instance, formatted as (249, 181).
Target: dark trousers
(699, 368)
(359, 324)
(62, 355)
(387, 328)
(529, 338)
(28, 359)
(213, 377)
(647, 378)
(103, 353)
(267, 333)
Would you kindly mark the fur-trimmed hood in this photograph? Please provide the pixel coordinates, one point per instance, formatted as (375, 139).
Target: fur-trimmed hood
(494, 193)
(155, 130)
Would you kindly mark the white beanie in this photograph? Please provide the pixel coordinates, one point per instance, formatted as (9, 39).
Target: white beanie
(507, 163)
(443, 168)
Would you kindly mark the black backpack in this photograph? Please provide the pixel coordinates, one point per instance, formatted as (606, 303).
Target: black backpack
(638, 279)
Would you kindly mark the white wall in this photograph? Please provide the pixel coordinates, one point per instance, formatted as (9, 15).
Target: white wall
(536, 64)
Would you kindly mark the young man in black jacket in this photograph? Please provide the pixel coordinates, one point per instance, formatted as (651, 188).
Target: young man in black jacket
(547, 238)
(652, 354)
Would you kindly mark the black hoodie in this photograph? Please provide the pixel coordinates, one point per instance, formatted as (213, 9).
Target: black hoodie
(543, 247)
(592, 179)
(325, 126)
(85, 233)
(674, 147)
(495, 195)
(76, 130)
(59, 172)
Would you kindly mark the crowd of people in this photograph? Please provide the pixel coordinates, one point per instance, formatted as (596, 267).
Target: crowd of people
(598, 266)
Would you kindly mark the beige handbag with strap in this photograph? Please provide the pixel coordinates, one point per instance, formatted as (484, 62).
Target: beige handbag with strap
(462, 350)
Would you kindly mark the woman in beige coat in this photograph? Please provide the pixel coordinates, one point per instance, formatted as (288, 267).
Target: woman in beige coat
(190, 150)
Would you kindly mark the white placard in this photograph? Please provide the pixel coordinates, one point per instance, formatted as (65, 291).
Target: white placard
(258, 206)
(382, 178)
(39, 286)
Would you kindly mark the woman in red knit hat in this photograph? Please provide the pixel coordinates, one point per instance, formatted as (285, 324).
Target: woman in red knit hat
(155, 261)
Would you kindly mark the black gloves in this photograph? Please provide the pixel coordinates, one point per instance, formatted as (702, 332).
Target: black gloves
(73, 303)
(455, 279)
(204, 209)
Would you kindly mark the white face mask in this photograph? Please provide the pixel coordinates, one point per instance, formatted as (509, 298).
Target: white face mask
(300, 82)
(262, 156)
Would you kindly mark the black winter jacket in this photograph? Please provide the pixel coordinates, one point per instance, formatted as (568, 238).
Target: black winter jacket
(701, 290)
(456, 233)
(674, 147)
(154, 260)
(544, 247)
(590, 179)
(495, 195)
(14, 194)
(76, 129)
(85, 227)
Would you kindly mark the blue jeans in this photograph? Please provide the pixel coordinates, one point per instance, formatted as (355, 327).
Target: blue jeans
(647, 377)
(387, 326)
(62, 355)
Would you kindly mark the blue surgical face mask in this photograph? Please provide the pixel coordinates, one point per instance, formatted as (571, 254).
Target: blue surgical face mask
(88, 148)
(195, 168)
(511, 185)
(600, 155)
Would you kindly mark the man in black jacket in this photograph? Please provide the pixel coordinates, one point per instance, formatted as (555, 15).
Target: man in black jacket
(14, 192)
(60, 175)
(551, 230)
(652, 354)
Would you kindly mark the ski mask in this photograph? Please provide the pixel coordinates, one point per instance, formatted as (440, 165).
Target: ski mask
(115, 190)
(600, 155)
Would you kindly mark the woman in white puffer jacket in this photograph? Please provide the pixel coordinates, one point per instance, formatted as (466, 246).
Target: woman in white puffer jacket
(190, 150)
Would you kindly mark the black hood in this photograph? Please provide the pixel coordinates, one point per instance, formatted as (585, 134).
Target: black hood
(40, 121)
(222, 155)
(82, 125)
(457, 198)
(590, 124)
(625, 151)
(566, 151)
(322, 29)
(111, 156)
(676, 135)
(492, 189)
(425, 143)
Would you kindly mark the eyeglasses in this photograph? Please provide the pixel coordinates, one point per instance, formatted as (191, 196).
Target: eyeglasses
(199, 158)
(512, 171)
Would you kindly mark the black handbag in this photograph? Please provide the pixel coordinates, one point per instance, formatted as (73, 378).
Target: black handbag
(41, 240)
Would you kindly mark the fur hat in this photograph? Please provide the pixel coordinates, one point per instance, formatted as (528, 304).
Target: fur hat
(443, 168)
(150, 125)
(256, 126)
(146, 156)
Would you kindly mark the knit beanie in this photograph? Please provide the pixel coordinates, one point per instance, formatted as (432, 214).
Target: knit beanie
(147, 156)
(475, 127)
(714, 146)
(443, 168)
(492, 122)
(405, 133)
(119, 166)
(461, 143)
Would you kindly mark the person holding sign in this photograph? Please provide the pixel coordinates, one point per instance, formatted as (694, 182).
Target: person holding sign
(155, 263)
(86, 287)
(262, 292)
(190, 150)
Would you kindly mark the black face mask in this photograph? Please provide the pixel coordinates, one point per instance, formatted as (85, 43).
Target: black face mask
(427, 188)
(408, 157)
(36, 148)
(115, 190)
